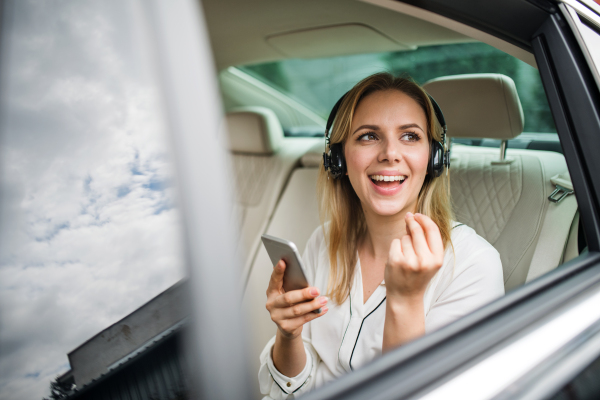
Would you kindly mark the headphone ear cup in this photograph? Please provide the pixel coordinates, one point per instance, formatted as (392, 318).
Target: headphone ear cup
(436, 160)
(337, 163)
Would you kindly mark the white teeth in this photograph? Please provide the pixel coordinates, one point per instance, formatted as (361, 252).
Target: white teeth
(386, 178)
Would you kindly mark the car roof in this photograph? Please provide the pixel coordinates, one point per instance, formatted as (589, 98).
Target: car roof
(241, 32)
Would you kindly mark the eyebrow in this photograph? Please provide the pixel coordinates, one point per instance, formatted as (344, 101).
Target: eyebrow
(401, 127)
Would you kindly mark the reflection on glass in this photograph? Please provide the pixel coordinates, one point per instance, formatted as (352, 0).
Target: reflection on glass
(89, 224)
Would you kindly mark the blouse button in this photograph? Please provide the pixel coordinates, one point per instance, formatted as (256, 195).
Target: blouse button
(289, 384)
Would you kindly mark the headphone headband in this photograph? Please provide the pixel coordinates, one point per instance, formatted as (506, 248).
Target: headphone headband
(333, 114)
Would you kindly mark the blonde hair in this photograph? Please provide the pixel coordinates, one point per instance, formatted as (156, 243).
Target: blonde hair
(340, 206)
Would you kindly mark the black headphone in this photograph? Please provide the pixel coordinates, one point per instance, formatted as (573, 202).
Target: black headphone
(336, 164)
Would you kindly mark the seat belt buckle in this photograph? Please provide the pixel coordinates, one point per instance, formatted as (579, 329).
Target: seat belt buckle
(559, 193)
(564, 187)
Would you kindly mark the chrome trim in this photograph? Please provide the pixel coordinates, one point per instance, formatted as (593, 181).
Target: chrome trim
(523, 356)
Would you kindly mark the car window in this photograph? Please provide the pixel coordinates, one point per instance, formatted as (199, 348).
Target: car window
(90, 227)
(318, 83)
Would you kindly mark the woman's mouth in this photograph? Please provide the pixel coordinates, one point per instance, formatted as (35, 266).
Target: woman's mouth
(388, 182)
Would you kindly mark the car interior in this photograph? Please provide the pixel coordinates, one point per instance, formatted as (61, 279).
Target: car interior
(513, 197)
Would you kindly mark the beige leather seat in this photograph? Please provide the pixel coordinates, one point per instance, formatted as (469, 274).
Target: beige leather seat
(295, 218)
(262, 160)
(505, 202)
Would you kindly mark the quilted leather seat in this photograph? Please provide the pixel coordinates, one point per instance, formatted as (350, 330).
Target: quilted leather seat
(262, 161)
(504, 201)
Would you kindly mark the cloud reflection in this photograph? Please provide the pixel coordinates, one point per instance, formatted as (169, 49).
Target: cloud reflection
(88, 227)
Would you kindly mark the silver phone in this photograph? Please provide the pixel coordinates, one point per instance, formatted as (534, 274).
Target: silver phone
(294, 277)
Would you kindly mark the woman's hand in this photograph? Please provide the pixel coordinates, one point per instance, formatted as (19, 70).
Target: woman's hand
(291, 310)
(414, 259)
(412, 262)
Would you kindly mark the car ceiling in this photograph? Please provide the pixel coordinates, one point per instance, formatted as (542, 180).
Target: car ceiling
(254, 31)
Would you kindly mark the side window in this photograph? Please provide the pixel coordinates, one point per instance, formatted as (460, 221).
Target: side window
(90, 227)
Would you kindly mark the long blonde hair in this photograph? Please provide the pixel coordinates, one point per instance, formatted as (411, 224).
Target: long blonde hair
(340, 206)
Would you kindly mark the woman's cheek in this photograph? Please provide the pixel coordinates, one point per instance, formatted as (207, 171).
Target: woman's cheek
(418, 162)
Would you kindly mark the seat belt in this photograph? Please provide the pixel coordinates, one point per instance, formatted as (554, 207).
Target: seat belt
(555, 228)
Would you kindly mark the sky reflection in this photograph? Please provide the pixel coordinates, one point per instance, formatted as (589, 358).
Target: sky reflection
(88, 223)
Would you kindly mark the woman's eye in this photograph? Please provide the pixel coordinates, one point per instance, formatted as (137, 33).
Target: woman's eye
(367, 137)
(411, 137)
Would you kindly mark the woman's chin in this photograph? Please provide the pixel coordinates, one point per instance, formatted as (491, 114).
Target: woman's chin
(388, 210)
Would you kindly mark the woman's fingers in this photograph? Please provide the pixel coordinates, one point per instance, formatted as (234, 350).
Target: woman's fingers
(296, 296)
(301, 309)
(432, 234)
(417, 234)
(276, 281)
(292, 324)
(291, 310)
(408, 251)
(395, 255)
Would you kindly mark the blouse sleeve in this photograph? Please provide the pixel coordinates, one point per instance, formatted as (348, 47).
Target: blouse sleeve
(274, 385)
(476, 280)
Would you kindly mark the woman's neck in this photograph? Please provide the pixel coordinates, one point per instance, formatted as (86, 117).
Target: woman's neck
(381, 231)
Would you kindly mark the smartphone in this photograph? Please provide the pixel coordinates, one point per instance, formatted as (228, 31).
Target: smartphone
(294, 277)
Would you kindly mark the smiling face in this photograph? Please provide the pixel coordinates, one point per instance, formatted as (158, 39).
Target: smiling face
(387, 152)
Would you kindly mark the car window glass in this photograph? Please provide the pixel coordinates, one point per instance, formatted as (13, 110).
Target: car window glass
(89, 219)
(318, 83)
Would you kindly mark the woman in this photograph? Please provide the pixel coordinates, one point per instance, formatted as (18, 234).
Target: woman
(392, 261)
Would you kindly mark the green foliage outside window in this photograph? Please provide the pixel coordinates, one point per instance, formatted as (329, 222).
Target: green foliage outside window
(318, 83)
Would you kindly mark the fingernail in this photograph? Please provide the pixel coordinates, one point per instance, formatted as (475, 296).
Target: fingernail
(324, 310)
(409, 214)
(323, 300)
(314, 292)
(419, 214)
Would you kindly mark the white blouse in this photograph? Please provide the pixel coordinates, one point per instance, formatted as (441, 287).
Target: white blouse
(351, 334)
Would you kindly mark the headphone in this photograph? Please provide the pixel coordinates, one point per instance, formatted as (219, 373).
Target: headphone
(336, 164)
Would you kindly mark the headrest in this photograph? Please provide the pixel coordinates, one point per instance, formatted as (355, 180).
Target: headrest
(254, 130)
(313, 158)
(478, 105)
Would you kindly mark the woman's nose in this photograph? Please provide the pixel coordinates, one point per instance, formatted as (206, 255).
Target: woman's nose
(390, 152)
